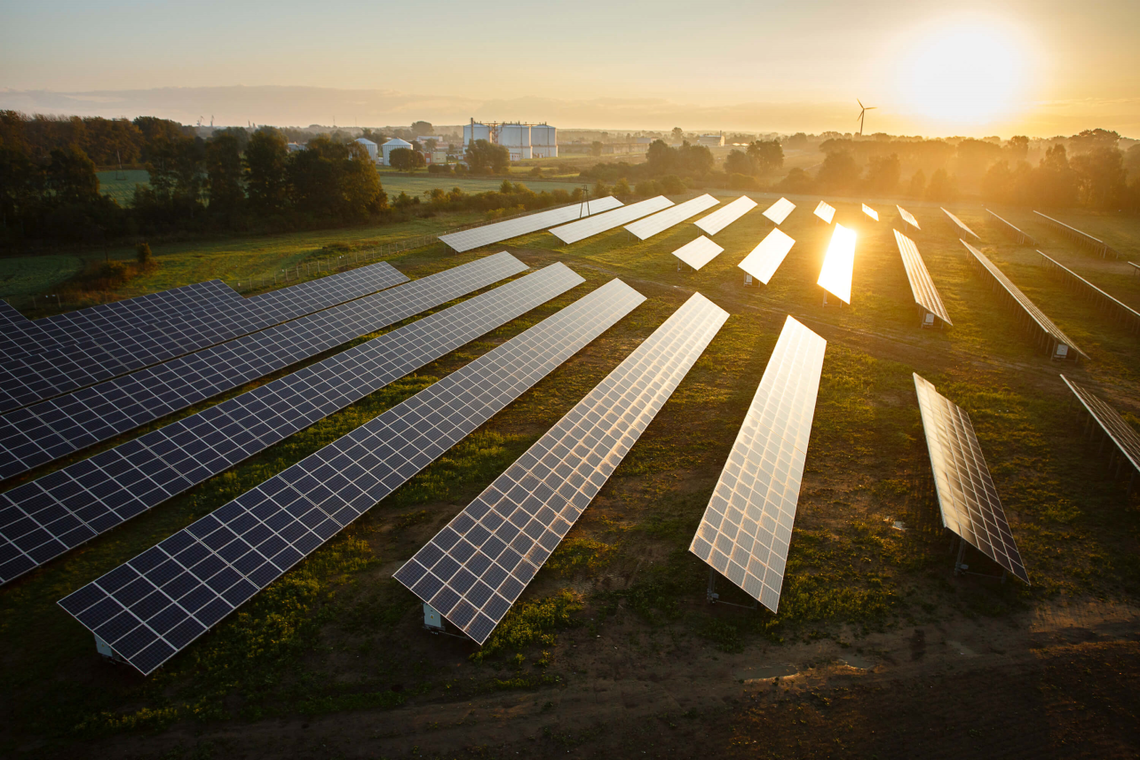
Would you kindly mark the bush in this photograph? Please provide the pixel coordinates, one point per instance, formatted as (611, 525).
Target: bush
(113, 274)
(144, 255)
(439, 169)
(742, 182)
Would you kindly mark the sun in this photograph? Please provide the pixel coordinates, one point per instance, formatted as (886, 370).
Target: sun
(967, 73)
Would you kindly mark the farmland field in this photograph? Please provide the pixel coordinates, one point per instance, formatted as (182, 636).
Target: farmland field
(35, 275)
(878, 649)
(120, 185)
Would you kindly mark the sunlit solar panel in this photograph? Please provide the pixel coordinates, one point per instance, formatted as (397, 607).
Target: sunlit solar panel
(722, 217)
(870, 212)
(779, 210)
(921, 286)
(1122, 434)
(908, 217)
(699, 252)
(767, 256)
(835, 276)
(1083, 238)
(599, 223)
(1012, 230)
(643, 229)
(967, 497)
(747, 527)
(1121, 311)
(960, 226)
(825, 211)
(1059, 343)
(467, 240)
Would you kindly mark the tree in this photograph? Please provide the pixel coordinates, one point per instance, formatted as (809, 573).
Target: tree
(420, 128)
(767, 156)
(672, 185)
(596, 148)
(838, 171)
(360, 185)
(738, 162)
(797, 181)
(144, 256)
(1103, 180)
(997, 185)
(622, 188)
(882, 174)
(266, 172)
(917, 184)
(678, 134)
(71, 176)
(660, 159)
(942, 187)
(223, 174)
(1018, 147)
(406, 159)
(695, 159)
(483, 157)
(1055, 181)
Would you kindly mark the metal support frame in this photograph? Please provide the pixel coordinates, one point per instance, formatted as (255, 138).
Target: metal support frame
(712, 597)
(961, 568)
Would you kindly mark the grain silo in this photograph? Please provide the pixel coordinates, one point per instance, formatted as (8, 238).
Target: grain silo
(544, 141)
(516, 139)
(480, 132)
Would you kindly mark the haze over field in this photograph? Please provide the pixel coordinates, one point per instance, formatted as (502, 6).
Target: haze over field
(1037, 68)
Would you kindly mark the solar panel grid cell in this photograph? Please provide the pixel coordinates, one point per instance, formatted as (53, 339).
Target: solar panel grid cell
(921, 286)
(967, 496)
(722, 217)
(746, 529)
(1035, 314)
(467, 240)
(270, 528)
(643, 229)
(599, 223)
(476, 568)
(767, 256)
(779, 210)
(698, 252)
(116, 485)
(825, 211)
(51, 429)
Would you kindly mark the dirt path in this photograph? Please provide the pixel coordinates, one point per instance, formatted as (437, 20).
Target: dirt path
(1060, 680)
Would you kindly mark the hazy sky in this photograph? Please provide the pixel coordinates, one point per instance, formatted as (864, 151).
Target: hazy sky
(1042, 67)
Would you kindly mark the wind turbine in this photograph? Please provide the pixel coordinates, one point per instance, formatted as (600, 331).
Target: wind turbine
(864, 110)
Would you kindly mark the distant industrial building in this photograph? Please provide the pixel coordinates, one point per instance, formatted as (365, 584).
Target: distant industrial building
(521, 140)
(370, 146)
(394, 144)
(711, 141)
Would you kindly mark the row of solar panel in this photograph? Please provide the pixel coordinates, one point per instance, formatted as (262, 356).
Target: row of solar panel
(214, 315)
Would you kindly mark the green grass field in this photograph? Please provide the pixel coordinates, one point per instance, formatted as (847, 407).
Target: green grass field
(120, 185)
(337, 634)
(22, 276)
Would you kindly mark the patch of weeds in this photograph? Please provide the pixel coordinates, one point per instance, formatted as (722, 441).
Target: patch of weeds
(532, 623)
(577, 554)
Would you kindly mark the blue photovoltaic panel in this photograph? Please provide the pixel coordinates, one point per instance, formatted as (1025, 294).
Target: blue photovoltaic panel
(477, 566)
(967, 496)
(45, 518)
(49, 430)
(467, 240)
(150, 608)
(215, 315)
(747, 527)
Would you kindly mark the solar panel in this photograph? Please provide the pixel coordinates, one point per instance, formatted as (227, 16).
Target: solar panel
(1083, 238)
(599, 223)
(825, 211)
(960, 226)
(191, 327)
(698, 252)
(644, 229)
(474, 569)
(726, 215)
(488, 234)
(747, 526)
(1058, 343)
(870, 212)
(767, 256)
(1122, 434)
(908, 218)
(18, 334)
(921, 286)
(1007, 227)
(44, 518)
(1120, 310)
(152, 607)
(835, 276)
(54, 428)
(779, 210)
(967, 497)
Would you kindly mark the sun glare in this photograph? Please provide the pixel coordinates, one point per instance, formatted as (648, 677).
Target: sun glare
(969, 74)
